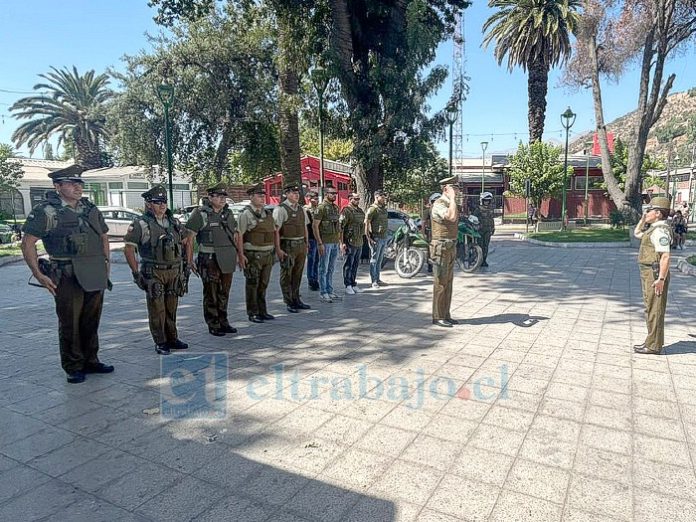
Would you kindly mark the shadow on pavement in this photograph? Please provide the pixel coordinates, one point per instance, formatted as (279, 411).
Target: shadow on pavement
(522, 320)
(681, 347)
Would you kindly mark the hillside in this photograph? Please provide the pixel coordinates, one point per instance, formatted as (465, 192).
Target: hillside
(680, 109)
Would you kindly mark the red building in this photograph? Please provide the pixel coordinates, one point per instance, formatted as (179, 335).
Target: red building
(336, 175)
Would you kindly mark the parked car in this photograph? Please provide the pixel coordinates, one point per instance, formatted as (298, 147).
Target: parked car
(184, 213)
(118, 219)
(6, 234)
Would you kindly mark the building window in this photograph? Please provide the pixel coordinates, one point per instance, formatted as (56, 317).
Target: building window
(342, 186)
(594, 183)
(116, 185)
(276, 189)
(180, 186)
(140, 185)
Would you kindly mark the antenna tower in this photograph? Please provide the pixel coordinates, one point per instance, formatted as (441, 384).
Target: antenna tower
(460, 87)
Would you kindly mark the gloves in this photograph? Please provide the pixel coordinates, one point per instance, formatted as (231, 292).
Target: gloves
(139, 280)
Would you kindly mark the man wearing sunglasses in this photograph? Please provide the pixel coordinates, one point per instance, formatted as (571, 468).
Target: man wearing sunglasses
(158, 238)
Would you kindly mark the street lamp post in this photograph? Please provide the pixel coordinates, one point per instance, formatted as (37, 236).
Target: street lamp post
(587, 181)
(165, 93)
(451, 117)
(484, 146)
(320, 80)
(567, 120)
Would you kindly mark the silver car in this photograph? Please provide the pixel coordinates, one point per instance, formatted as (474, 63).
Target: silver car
(118, 219)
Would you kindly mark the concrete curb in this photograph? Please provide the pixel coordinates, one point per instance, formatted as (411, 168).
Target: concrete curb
(612, 244)
(6, 260)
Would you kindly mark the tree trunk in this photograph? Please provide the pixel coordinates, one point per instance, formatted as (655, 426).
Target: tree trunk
(87, 155)
(537, 87)
(223, 148)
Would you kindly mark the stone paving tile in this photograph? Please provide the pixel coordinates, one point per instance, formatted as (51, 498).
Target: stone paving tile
(654, 506)
(516, 506)
(482, 466)
(456, 496)
(524, 478)
(608, 498)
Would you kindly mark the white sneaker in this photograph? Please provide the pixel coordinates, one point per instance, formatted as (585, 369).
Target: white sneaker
(325, 298)
(357, 290)
(334, 296)
(349, 290)
(375, 285)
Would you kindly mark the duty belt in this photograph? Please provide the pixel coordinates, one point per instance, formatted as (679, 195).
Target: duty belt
(162, 266)
(292, 239)
(445, 240)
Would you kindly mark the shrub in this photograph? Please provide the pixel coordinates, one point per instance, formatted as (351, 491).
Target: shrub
(617, 219)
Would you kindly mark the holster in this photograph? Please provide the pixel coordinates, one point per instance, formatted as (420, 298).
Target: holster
(655, 270)
(251, 272)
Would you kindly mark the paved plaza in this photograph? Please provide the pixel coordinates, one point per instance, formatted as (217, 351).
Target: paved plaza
(361, 410)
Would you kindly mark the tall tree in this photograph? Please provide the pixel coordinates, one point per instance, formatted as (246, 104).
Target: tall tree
(380, 49)
(11, 171)
(614, 34)
(534, 35)
(72, 108)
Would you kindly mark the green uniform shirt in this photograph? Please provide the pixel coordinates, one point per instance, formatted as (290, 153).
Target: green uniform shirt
(378, 216)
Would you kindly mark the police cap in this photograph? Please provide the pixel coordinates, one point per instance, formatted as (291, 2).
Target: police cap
(218, 188)
(157, 194)
(72, 173)
(293, 187)
(452, 180)
(659, 202)
(256, 189)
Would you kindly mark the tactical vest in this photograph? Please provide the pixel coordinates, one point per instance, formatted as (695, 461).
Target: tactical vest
(379, 221)
(311, 212)
(264, 231)
(158, 244)
(328, 227)
(486, 219)
(69, 233)
(354, 226)
(445, 229)
(647, 255)
(216, 229)
(294, 226)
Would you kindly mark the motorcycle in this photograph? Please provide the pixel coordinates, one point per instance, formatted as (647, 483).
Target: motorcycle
(409, 250)
(469, 254)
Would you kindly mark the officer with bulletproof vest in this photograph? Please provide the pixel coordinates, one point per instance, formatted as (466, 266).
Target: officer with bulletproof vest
(326, 230)
(443, 247)
(352, 223)
(653, 262)
(74, 234)
(163, 274)
(291, 231)
(376, 228)
(312, 251)
(256, 243)
(215, 230)
(484, 212)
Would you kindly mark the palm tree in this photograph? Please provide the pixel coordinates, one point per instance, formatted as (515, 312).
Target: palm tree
(72, 109)
(535, 35)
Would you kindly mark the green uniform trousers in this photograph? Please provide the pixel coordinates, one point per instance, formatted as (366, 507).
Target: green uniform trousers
(655, 306)
(291, 269)
(162, 303)
(257, 273)
(216, 291)
(484, 242)
(78, 313)
(442, 253)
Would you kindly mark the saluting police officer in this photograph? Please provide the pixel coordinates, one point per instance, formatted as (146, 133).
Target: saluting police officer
(443, 247)
(215, 231)
(653, 261)
(256, 242)
(291, 229)
(74, 234)
(158, 237)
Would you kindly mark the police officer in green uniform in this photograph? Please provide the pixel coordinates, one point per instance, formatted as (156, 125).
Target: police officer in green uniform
(256, 243)
(159, 238)
(445, 220)
(291, 229)
(215, 230)
(326, 231)
(484, 213)
(376, 228)
(74, 234)
(653, 261)
(352, 223)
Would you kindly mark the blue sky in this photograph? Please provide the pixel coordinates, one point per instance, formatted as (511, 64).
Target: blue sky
(95, 34)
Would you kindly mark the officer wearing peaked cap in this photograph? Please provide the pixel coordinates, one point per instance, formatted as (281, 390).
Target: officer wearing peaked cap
(653, 262)
(256, 242)
(215, 229)
(443, 247)
(74, 234)
(291, 232)
(158, 238)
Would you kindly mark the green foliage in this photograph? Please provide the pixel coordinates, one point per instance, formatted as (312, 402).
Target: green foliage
(413, 184)
(11, 171)
(73, 108)
(619, 164)
(671, 129)
(542, 164)
(337, 149)
(650, 181)
(583, 235)
(617, 219)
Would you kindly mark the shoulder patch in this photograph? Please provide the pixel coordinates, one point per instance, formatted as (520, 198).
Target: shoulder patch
(664, 241)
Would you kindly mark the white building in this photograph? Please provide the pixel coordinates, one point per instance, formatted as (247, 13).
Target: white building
(114, 186)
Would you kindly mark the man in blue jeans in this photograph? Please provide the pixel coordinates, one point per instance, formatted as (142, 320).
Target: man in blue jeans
(312, 251)
(376, 224)
(352, 231)
(326, 232)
